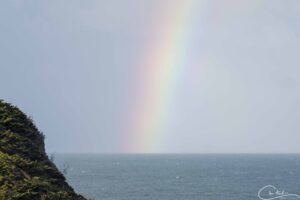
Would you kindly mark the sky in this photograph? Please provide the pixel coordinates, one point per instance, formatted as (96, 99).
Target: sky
(153, 76)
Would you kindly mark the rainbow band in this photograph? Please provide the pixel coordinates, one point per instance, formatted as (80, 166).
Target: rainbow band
(160, 71)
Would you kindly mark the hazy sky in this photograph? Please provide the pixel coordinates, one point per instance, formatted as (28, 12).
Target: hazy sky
(72, 66)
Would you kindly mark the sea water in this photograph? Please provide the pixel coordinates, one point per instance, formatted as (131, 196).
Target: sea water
(181, 177)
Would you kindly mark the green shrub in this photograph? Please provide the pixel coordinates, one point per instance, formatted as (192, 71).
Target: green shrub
(26, 173)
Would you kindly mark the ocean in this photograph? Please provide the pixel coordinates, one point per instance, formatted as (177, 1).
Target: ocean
(182, 177)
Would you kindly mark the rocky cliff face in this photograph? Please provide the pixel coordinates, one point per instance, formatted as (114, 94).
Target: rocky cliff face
(26, 173)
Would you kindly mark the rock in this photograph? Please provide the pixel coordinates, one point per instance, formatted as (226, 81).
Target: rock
(26, 172)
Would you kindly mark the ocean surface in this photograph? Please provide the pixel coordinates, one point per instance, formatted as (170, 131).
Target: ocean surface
(181, 177)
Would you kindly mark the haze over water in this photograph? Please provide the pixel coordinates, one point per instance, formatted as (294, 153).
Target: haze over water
(155, 76)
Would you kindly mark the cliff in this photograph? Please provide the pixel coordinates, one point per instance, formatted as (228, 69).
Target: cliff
(26, 173)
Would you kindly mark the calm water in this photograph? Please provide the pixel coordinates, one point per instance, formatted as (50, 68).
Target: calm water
(180, 177)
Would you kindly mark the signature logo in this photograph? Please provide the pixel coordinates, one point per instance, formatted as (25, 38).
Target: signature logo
(270, 192)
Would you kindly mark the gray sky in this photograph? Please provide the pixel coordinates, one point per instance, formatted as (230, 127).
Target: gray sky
(72, 66)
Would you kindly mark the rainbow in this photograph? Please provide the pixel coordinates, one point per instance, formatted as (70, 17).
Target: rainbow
(160, 68)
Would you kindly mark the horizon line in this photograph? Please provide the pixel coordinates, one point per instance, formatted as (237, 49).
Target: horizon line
(180, 153)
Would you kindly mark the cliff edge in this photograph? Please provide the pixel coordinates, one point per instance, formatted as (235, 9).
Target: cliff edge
(26, 173)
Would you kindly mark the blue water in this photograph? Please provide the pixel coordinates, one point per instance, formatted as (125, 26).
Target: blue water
(179, 177)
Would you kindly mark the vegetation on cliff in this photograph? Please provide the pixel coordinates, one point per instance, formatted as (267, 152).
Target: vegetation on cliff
(26, 172)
